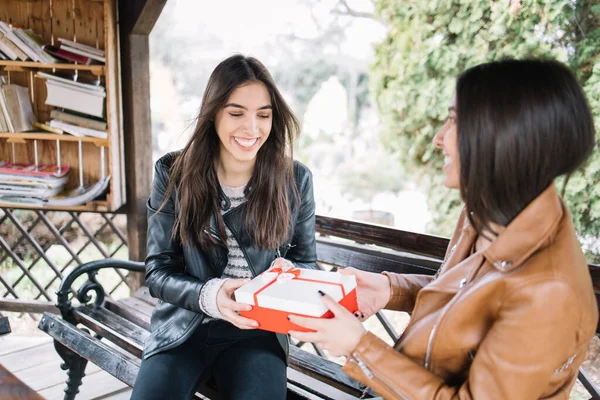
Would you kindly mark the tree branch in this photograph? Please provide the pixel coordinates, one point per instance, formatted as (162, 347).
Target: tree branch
(348, 11)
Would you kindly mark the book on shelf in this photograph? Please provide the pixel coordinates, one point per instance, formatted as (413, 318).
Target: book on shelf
(16, 108)
(35, 43)
(31, 170)
(79, 120)
(84, 53)
(73, 98)
(10, 49)
(40, 192)
(47, 128)
(6, 124)
(3, 122)
(3, 56)
(67, 55)
(69, 81)
(78, 131)
(82, 47)
(33, 181)
(22, 183)
(8, 31)
(51, 196)
(72, 95)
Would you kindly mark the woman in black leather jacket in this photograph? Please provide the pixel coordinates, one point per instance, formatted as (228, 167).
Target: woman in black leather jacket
(222, 210)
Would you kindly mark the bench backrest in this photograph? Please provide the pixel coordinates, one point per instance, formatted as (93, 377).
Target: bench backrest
(396, 251)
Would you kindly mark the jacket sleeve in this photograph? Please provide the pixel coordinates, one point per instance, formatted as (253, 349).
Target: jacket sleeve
(404, 289)
(165, 265)
(303, 252)
(533, 338)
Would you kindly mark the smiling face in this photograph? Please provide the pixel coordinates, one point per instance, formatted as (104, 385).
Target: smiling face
(446, 139)
(244, 124)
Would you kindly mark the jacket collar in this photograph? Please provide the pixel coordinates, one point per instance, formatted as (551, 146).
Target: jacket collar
(528, 232)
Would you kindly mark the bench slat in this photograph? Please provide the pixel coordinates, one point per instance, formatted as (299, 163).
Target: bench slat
(383, 236)
(373, 260)
(119, 365)
(118, 330)
(126, 308)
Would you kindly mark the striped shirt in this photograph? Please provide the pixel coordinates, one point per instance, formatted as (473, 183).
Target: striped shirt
(237, 265)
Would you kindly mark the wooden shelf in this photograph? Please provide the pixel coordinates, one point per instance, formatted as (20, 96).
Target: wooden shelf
(89, 22)
(95, 69)
(92, 206)
(21, 137)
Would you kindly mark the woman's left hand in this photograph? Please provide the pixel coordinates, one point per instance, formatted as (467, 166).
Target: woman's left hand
(338, 335)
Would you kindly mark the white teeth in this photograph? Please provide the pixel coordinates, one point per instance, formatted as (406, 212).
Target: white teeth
(447, 160)
(246, 142)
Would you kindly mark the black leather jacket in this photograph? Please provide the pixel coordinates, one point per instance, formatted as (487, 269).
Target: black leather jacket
(176, 273)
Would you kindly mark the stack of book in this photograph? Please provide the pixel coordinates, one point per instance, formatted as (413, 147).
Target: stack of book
(74, 95)
(16, 111)
(43, 185)
(23, 44)
(75, 52)
(76, 125)
(29, 183)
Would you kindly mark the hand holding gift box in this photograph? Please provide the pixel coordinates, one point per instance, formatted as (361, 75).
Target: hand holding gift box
(281, 291)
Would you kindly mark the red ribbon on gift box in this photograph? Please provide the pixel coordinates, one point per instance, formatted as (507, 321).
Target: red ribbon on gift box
(291, 273)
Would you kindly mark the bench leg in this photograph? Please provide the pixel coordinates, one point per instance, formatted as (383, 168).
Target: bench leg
(75, 365)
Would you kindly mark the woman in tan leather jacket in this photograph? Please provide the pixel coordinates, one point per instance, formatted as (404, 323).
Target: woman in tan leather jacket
(512, 310)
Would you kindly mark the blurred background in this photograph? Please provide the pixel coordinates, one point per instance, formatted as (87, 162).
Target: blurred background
(371, 81)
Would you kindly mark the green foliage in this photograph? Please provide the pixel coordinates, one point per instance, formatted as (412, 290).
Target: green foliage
(429, 42)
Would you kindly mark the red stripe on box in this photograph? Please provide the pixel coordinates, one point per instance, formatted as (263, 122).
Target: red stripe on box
(276, 320)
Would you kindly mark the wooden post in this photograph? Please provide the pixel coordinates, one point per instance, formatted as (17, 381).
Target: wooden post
(137, 20)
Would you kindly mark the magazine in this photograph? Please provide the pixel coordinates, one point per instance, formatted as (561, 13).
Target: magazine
(30, 170)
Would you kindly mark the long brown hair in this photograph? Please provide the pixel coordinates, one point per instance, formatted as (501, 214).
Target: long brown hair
(521, 124)
(271, 189)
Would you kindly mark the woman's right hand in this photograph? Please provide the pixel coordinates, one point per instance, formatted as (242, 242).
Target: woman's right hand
(229, 308)
(372, 290)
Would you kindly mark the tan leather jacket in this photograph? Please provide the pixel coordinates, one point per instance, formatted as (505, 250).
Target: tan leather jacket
(511, 322)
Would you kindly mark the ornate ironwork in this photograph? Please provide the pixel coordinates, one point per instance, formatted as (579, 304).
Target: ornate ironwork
(27, 238)
(91, 269)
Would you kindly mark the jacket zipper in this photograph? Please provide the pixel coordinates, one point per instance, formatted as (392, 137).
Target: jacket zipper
(213, 234)
(287, 248)
(456, 297)
(434, 331)
(356, 359)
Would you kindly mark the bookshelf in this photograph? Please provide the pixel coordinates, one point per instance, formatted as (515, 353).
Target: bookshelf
(23, 137)
(30, 65)
(88, 22)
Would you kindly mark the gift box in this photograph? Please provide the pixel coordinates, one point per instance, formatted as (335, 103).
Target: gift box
(279, 292)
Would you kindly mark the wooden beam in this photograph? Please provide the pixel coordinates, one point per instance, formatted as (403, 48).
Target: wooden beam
(29, 306)
(148, 17)
(137, 16)
(135, 63)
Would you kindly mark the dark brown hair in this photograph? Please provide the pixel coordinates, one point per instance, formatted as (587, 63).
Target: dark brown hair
(521, 124)
(271, 189)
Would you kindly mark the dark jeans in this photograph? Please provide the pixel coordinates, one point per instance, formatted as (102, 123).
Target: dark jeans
(245, 365)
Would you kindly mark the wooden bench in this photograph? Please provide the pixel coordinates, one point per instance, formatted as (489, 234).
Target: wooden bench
(119, 328)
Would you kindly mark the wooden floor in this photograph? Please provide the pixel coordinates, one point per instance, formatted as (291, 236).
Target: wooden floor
(35, 362)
